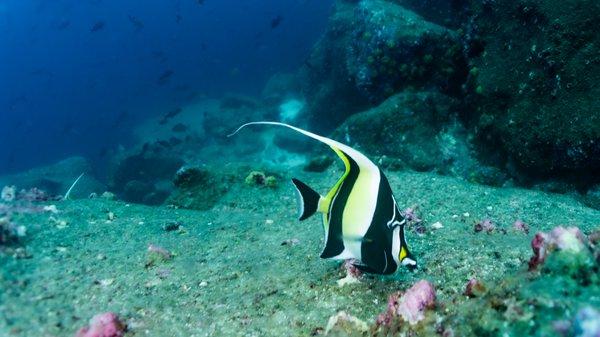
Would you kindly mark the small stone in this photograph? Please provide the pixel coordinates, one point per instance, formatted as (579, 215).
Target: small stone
(437, 225)
(345, 324)
(290, 242)
(485, 225)
(156, 255)
(163, 273)
(474, 288)
(8, 193)
(51, 209)
(108, 195)
(587, 322)
(269, 222)
(466, 214)
(172, 226)
(21, 231)
(203, 284)
(520, 226)
(21, 253)
(110, 216)
(106, 324)
(106, 282)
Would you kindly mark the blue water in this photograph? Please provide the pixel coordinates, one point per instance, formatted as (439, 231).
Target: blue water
(78, 74)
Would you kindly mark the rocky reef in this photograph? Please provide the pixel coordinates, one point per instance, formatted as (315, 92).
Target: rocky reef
(535, 81)
(512, 84)
(373, 49)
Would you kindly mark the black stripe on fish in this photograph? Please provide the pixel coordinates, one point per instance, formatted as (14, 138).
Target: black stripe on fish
(376, 249)
(335, 242)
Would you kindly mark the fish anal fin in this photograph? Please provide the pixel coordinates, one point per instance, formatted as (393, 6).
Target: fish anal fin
(308, 200)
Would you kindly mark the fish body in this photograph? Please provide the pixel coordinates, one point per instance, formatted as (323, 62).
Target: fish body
(137, 23)
(98, 26)
(276, 21)
(165, 76)
(361, 218)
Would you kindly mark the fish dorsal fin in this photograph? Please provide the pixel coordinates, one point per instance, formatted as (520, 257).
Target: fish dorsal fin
(342, 150)
(308, 200)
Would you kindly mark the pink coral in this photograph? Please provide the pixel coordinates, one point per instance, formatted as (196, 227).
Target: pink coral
(520, 226)
(560, 238)
(386, 318)
(350, 267)
(410, 214)
(485, 225)
(159, 251)
(410, 306)
(416, 300)
(538, 245)
(106, 324)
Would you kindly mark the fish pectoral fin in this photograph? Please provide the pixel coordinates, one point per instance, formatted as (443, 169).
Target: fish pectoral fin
(308, 199)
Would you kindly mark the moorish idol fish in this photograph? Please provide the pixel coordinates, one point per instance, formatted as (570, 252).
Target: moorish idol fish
(361, 218)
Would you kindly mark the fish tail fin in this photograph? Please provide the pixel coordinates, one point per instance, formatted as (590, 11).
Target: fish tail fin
(308, 199)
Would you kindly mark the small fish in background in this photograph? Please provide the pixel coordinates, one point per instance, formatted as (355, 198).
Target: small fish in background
(165, 119)
(178, 18)
(276, 21)
(165, 76)
(179, 127)
(17, 101)
(98, 26)
(182, 87)
(200, 2)
(191, 95)
(121, 119)
(64, 24)
(70, 130)
(160, 56)
(361, 218)
(137, 23)
(103, 153)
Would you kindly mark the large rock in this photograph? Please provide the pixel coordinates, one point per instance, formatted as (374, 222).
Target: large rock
(418, 130)
(538, 83)
(199, 188)
(373, 49)
(407, 126)
(145, 177)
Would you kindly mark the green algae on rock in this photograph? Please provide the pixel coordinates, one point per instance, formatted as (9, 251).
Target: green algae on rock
(539, 74)
(373, 49)
(422, 131)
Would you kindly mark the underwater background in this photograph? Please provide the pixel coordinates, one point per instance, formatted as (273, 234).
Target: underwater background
(128, 210)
